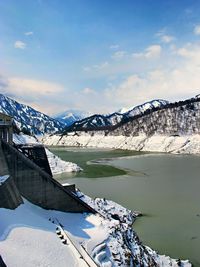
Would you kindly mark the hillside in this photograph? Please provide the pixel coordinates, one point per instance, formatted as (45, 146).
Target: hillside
(179, 118)
(28, 119)
(103, 122)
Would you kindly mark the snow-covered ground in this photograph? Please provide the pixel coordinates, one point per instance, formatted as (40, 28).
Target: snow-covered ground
(28, 237)
(123, 243)
(57, 165)
(156, 143)
(28, 234)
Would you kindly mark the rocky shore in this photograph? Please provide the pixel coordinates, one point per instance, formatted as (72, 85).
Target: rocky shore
(186, 144)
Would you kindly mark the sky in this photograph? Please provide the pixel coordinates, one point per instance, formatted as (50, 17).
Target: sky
(98, 55)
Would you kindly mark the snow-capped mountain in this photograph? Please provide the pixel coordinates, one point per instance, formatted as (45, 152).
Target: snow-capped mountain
(28, 119)
(132, 111)
(174, 119)
(99, 121)
(68, 117)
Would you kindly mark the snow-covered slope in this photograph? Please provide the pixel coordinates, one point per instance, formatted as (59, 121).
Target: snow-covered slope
(70, 116)
(187, 144)
(28, 119)
(179, 118)
(135, 110)
(56, 164)
(99, 121)
(32, 236)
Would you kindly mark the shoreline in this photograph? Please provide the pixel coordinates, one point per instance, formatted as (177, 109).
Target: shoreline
(122, 241)
(156, 143)
(108, 161)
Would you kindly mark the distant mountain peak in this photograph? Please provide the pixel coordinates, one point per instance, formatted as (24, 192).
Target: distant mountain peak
(70, 116)
(99, 121)
(145, 106)
(28, 119)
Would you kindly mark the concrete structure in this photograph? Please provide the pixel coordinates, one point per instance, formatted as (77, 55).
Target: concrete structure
(6, 128)
(10, 197)
(36, 185)
(37, 154)
(2, 263)
(30, 176)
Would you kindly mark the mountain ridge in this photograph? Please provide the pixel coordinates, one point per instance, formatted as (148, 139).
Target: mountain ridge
(27, 119)
(68, 117)
(99, 121)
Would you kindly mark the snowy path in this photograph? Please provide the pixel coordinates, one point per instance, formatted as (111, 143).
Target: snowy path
(52, 252)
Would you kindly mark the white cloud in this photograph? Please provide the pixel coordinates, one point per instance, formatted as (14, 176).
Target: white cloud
(28, 33)
(88, 91)
(197, 30)
(96, 67)
(19, 45)
(42, 95)
(167, 38)
(114, 47)
(101, 66)
(150, 52)
(119, 55)
(86, 68)
(29, 86)
(168, 81)
(153, 51)
(164, 37)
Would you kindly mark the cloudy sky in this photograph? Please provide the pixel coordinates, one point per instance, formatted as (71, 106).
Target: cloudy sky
(98, 55)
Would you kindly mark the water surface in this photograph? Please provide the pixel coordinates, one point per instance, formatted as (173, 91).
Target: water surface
(165, 188)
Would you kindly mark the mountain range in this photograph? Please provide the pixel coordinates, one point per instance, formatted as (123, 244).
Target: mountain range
(27, 119)
(156, 116)
(101, 122)
(31, 121)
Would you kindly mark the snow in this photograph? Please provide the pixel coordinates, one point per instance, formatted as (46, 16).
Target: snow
(24, 139)
(27, 118)
(188, 144)
(107, 237)
(30, 236)
(3, 179)
(122, 240)
(56, 164)
(144, 107)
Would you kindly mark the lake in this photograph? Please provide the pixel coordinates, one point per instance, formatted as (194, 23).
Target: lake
(164, 187)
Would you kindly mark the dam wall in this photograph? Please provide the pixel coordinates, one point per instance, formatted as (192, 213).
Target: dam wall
(10, 197)
(38, 186)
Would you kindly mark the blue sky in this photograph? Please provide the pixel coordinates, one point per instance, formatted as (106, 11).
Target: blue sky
(98, 56)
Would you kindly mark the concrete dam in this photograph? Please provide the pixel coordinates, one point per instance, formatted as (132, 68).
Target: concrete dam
(25, 172)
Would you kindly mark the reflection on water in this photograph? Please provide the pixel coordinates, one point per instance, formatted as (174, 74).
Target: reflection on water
(166, 188)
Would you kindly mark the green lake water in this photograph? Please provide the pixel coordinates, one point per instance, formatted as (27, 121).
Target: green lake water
(164, 187)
